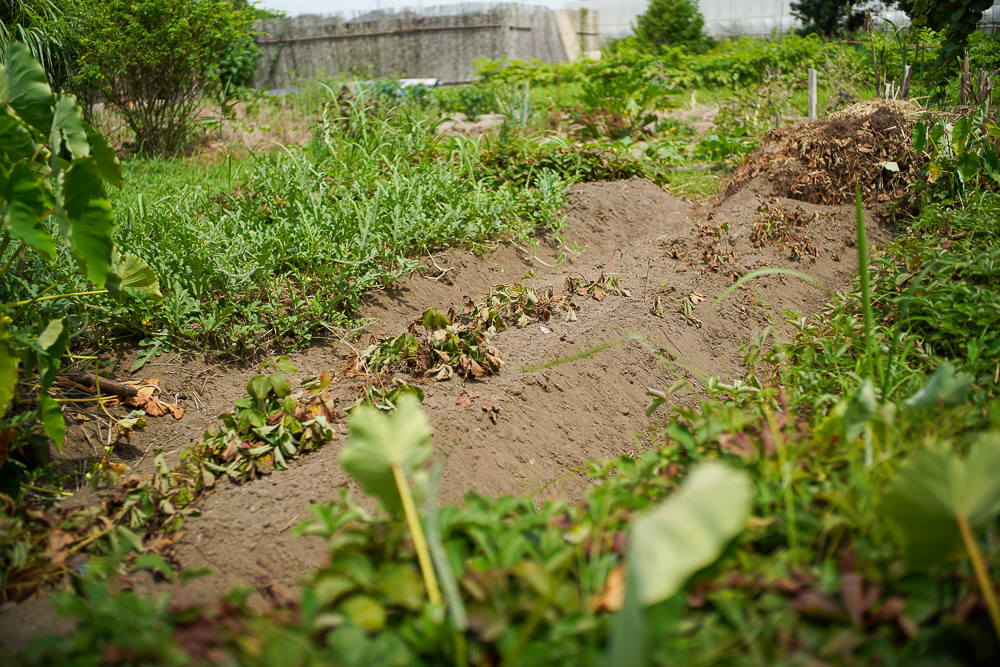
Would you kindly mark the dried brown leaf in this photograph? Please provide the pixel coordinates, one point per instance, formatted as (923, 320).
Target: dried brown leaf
(612, 596)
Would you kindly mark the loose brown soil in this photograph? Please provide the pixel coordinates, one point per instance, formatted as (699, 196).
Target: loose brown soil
(546, 423)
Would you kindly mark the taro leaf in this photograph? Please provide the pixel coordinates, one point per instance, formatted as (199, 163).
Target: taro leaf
(15, 137)
(26, 201)
(69, 135)
(968, 166)
(104, 155)
(53, 342)
(992, 164)
(945, 389)
(378, 441)
(9, 360)
(689, 530)
(28, 88)
(960, 135)
(131, 271)
(52, 419)
(87, 218)
(936, 133)
(919, 137)
(935, 487)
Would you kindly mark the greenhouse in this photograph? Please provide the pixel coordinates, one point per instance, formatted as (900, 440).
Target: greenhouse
(732, 17)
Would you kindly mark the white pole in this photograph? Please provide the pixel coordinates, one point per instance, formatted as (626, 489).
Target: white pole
(813, 116)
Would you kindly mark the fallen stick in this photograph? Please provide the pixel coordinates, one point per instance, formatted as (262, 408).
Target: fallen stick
(105, 386)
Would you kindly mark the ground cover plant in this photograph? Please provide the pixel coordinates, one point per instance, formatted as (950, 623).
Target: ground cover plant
(834, 505)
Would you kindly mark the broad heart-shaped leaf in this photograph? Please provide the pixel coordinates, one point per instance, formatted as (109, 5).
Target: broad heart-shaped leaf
(52, 419)
(919, 137)
(15, 137)
(28, 88)
(960, 135)
(87, 218)
(9, 360)
(968, 166)
(69, 134)
(932, 489)
(104, 154)
(27, 202)
(689, 530)
(378, 441)
(53, 342)
(129, 270)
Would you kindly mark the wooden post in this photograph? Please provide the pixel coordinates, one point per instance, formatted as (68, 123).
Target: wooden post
(904, 94)
(813, 116)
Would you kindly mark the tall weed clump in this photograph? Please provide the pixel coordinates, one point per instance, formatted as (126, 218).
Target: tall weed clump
(282, 246)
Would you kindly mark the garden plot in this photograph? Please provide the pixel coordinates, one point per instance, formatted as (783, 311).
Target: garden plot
(517, 430)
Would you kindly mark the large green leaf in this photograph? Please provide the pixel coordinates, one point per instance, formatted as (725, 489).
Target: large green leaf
(88, 218)
(935, 487)
(69, 133)
(960, 135)
(28, 88)
(53, 342)
(26, 197)
(52, 419)
(104, 154)
(689, 530)
(378, 441)
(129, 270)
(9, 360)
(15, 137)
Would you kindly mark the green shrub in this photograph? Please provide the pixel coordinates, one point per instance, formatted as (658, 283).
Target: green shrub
(672, 23)
(826, 17)
(152, 59)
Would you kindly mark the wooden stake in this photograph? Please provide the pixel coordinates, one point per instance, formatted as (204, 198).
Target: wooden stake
(813, 116)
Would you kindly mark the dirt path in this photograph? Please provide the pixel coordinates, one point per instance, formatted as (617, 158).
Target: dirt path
(551, 421)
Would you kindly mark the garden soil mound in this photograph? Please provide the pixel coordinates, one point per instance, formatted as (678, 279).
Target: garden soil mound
(869, 143)
(520, 431)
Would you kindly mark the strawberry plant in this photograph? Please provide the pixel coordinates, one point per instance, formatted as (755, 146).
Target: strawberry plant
(267, 428)
(438, 347)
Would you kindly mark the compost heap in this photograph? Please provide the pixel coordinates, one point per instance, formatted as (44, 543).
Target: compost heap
(869, 143)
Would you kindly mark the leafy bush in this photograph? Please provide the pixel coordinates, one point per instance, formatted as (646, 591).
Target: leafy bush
(152, 59)
(826, 17)
(235, 71)
(672, 23)
(955, 19)
(473, 100)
